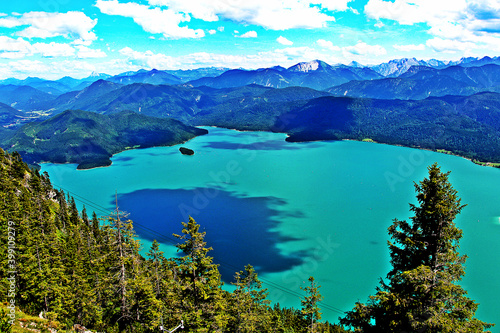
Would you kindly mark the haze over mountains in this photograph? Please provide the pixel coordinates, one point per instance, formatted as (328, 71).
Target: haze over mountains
(405, 101)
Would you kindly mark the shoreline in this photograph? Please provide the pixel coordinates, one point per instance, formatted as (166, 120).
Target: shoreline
(439, 151)
(113, 155)
(366, 140)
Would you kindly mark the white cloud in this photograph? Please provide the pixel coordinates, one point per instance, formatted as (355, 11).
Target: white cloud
(328, 45)
(72, 25)
(53, 49)
(29, 67)
(284, 41)
(19, 48)
(249, 34)
(152, 20)
(409, 47)
(13, 48)
(364, 49)
(51, 70)
(403, 11)
(9, 22)
(212, 31)
(221, 29)
(449, 46)
(85, 52)
(132, 60)
(271, 14)
(461, 25)
(285, 57)
(149, 59)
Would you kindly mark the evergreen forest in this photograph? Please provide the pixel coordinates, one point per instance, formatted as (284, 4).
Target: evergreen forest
(76, 271)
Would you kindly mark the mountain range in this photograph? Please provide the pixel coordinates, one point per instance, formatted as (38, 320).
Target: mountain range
(413, 79)
(420, 82)
(452, 106)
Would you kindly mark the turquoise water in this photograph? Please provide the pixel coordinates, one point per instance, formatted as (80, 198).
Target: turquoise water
(295, 209)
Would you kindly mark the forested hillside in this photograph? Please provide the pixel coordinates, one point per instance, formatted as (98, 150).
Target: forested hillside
(464, 125)
(77, 269)
(90, 139)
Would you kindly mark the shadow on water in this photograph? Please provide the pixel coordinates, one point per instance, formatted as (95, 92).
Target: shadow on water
(122, 158)
(262, 145)
(240, 229)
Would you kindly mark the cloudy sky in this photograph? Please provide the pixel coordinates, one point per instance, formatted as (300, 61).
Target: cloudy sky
(55, 38)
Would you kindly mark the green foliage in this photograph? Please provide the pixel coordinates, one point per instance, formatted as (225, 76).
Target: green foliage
(200, 282)
(250, 308)
(422, 293)
(90, 139)
(79, 270)
(5, 322)
(310, 309)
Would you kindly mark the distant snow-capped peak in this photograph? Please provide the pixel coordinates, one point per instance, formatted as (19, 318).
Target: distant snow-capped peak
(308, 66)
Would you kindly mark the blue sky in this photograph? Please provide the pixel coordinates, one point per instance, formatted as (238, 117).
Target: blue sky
(56, 38)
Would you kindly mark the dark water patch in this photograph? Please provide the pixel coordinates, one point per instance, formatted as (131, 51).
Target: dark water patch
(262, 145)
(239, 228)
(122, 159)
(163, 153)
(222, 132)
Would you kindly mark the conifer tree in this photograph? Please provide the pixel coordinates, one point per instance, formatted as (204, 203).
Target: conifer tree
(250, 307)
(121, 250)
(96, 230)
(200, 283)
(422, 293)
(310, 309)
(155, 267)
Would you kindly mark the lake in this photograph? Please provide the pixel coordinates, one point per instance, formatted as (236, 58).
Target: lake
(295, 209)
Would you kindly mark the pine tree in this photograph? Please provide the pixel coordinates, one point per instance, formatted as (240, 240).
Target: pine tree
(310, 309)
(121, 250)
(156, 273)
(200, 283)
(422, 294)
(249, 303)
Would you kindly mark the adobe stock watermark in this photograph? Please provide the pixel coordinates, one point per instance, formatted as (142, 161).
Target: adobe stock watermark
(406, 167)
(293, 279)
(11, 272)
(222, 178)
(202, 197)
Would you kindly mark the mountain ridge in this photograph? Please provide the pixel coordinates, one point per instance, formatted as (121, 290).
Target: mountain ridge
(315, 74)
(420, 82)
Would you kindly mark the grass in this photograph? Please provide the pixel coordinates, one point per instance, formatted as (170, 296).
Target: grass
(490, 164)
(444, 151)
(25, 323)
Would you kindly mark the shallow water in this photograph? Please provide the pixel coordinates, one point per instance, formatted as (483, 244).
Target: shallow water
(295, 209)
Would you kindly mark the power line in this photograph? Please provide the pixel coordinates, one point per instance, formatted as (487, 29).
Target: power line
(166, 238)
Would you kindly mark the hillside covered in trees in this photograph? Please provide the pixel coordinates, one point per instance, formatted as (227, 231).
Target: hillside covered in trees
(79, 269)
(90, 139)
(164, 115)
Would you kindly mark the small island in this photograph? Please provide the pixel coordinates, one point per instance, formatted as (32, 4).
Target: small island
(91, 139)
(186, 151)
